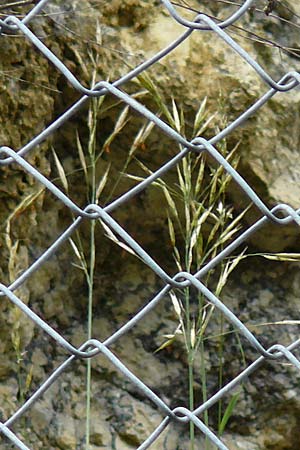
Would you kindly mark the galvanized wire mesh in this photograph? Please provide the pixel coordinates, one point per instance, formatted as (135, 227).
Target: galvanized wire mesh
(281, 215)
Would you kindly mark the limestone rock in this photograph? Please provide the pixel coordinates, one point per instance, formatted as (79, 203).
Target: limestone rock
(32, 94)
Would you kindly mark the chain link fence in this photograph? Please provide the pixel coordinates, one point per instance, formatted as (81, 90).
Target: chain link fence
(281, 215)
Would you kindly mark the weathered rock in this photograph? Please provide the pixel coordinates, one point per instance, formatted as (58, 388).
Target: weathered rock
(32, 94)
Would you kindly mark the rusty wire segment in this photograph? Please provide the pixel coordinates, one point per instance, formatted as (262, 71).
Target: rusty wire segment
(282, 214)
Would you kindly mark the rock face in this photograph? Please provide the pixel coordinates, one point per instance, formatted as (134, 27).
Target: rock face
(100, 41)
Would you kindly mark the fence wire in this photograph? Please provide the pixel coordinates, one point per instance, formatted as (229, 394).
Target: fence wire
(281, 215)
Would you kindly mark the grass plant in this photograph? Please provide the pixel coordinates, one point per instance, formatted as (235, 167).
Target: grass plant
(90, 155)
(200, 223)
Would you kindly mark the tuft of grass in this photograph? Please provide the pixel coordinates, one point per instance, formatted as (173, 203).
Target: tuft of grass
(200, 223)
(97, 188)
